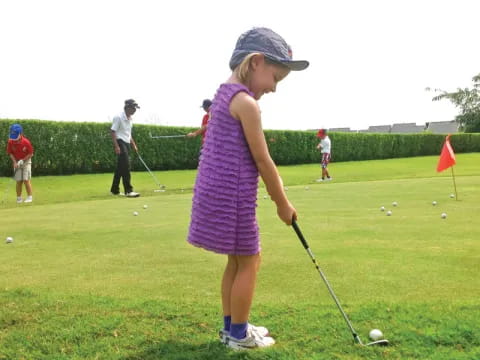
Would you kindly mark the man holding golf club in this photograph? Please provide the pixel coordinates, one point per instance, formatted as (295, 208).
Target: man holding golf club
(121, 132)
(20, 151)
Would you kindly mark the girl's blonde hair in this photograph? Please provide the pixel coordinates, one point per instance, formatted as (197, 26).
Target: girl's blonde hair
(243, 69)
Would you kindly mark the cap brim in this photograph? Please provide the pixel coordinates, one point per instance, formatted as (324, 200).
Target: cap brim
(14, 137)
(296, 65)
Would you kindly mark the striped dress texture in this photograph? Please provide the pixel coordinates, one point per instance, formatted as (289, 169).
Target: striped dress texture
(224, 196)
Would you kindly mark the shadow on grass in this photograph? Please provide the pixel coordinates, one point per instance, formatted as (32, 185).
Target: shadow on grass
(172, 350)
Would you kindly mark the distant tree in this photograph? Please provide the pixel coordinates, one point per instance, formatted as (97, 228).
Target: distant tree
(468, 101)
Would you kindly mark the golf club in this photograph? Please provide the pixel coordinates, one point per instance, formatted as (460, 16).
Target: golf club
(8, 187)
(166, 136)
(330, 290)
(161, 188)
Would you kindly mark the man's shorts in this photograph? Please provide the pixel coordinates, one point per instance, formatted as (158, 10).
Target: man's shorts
(23, 172)
(325, 160)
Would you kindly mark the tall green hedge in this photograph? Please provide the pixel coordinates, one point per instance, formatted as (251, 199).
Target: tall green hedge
(71, 147)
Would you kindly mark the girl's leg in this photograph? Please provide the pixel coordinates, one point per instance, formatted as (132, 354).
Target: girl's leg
(228, 280)
(28, 187)
(227, 284)
(243, 287)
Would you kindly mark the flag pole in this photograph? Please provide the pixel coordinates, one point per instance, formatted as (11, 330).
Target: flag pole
(454, 184)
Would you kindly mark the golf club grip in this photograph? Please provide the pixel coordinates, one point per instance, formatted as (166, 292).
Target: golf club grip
(299, 234)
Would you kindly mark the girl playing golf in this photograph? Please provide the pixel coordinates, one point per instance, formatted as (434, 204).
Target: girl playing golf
(234, 154)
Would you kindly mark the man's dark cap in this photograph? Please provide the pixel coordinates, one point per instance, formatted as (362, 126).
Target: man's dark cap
(131, 103)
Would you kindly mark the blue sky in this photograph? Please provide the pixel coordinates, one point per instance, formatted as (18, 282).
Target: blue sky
(371, 60)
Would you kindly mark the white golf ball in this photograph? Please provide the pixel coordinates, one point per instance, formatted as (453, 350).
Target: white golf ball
(9, 240)
(389, 213)
(452, 196)
(434, 203)
(307, 188)
(394, 203)
(135, 213)
(375, 334)
(444, 215)
(145, 206)
(382, 208)
(265, 196)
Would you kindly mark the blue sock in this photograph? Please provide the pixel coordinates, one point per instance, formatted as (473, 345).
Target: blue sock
(238, 331)
(226, 322)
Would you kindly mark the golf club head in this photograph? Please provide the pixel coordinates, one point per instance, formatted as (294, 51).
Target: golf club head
(383, 342)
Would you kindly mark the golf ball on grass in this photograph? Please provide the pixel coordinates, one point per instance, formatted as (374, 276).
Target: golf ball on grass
(382, 208)
(452, 196)
(135, 213)
(375, 334)
(265, 196)
(434, 203)
(145, 206)
(444, 215)
(394, 203)
(389, 213)
(9, 240)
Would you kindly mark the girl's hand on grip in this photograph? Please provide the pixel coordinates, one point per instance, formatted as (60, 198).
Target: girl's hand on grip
(286, 213)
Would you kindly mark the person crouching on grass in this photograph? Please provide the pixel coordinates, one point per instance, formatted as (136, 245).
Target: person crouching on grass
(234, 154)
(325, 147)
(20, 151)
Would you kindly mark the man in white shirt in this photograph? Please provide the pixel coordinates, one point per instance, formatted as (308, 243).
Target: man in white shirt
(121, 132)
(325, 146)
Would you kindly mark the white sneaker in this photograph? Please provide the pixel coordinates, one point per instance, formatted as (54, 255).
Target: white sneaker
(320, 180)
(29, 199)
(251, 341)
(260, 331)
(132, 194)
(19, 200)
(329, 179)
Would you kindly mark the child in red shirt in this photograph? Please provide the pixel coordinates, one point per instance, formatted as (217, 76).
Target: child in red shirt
(21, 151)
(202, 131)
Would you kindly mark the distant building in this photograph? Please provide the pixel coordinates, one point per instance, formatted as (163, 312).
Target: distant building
(439, 127)
(407, 128)
(442, 127)
(379, 129)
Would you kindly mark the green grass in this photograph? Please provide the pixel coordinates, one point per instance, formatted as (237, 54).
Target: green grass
(85, 279)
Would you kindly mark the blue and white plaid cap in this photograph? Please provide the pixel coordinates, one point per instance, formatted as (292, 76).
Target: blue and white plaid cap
(269, 43)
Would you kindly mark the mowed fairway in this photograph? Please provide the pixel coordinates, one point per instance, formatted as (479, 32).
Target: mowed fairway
(86, 279)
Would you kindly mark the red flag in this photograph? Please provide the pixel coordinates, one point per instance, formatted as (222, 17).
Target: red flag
(447, 156)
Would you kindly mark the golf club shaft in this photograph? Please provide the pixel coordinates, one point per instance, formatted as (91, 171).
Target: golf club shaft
(151, 173)
(166, 136)
(7, 188)
(324, 278)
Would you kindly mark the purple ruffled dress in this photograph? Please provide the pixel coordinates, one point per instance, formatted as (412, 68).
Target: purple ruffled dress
(224, 197)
